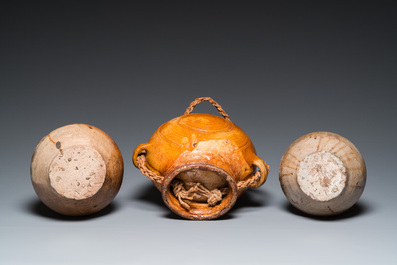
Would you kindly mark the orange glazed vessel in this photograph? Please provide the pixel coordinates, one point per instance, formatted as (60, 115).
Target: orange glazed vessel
(201, 163)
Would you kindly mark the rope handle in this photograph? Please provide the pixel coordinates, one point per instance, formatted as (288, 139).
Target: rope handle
(141, 164)
(213, 102)
(259, 177)
(252, 182)
(249, 183)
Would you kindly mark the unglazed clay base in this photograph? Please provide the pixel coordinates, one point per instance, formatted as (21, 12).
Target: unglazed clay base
(322, 173)
(77, 170)
(79, 173)
(322, 176)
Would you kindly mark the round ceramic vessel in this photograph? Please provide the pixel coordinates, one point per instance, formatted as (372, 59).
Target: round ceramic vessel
(322, 173)
(77, 170)
(204, 149)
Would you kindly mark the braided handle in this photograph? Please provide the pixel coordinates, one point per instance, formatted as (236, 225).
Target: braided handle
(141, 164)
(213, 102)
(249, 183)
(259, 177)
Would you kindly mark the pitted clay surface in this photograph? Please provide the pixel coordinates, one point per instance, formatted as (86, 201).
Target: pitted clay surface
(322, 176)
(78, 173)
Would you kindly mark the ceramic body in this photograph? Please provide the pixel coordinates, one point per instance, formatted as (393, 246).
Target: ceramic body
(202, 143)
(322, 173)
(77, 170)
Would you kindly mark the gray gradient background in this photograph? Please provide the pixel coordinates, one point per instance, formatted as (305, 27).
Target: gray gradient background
(279, 69)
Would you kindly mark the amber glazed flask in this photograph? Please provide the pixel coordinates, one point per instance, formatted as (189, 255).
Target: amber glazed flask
(200, 163)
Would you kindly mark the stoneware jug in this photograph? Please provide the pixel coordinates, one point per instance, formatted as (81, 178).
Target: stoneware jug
(200, 163)
(322, 173)
(77, 170)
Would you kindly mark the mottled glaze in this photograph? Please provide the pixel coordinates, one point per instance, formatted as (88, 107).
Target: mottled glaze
(205, 142)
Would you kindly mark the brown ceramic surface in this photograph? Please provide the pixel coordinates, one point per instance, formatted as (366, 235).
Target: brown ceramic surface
(77, 170)
(322, 173)
(202, 141)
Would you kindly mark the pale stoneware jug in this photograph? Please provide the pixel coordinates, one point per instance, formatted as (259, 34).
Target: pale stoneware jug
(322, 173)
(77, 170)
(200, 163)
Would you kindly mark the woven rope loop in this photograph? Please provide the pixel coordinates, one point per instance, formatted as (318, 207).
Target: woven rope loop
(249, 183)
(198, 190)
(141, 161)
(213, 102)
